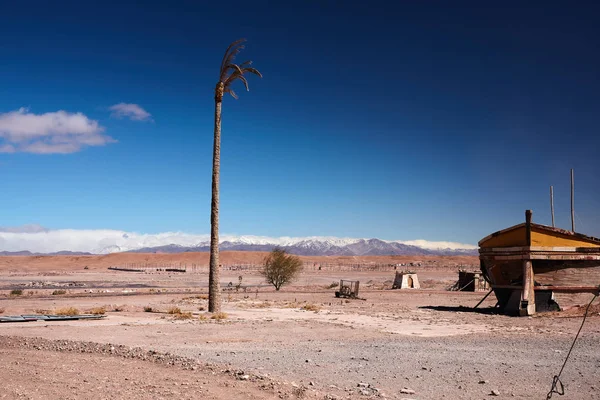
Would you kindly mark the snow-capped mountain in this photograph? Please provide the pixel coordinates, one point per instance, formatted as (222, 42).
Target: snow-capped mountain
(39, 240)
(316, 247)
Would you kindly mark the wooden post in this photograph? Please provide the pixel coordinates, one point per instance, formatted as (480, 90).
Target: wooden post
(552, 203)
(572, 201)
(527, 295)
(528, 214)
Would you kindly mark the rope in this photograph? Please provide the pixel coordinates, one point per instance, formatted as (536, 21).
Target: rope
(560, 390)
(460, 289)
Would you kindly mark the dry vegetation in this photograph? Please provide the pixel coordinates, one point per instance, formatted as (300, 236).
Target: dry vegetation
(97, 311)
(219, 316)
(69, 311)
(311, 307)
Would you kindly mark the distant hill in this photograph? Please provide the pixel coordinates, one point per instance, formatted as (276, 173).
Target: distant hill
(315, 247)
(57, 253)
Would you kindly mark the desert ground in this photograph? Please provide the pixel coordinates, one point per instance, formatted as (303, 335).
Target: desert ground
(300, 342)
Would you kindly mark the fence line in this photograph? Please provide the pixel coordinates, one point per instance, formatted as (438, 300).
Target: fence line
(151, 267)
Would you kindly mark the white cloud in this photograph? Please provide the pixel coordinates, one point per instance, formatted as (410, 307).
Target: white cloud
(132, 111)
(51, 132)
(39, 239)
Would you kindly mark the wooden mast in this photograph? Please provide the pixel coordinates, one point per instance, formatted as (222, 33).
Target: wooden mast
(572, 201)
(527, 294)
(552, 204)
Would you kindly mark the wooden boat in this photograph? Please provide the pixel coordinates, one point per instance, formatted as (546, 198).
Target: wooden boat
(527, 263)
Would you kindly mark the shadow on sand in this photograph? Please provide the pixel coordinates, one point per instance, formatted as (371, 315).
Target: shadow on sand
(485, 310)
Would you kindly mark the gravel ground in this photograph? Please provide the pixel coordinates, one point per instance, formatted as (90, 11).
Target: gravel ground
(398, 344)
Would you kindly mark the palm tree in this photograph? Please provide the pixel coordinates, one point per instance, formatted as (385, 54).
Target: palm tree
(229, 73)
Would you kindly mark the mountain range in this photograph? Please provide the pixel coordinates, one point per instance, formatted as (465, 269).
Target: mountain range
(37, 240)
(314, 247)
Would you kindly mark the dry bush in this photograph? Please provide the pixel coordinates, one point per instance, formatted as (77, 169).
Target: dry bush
(197, 297)
(66, 311)
(59, 292)
(311, 307)
(202, 317)
(281, 268)
(42, 311)
(264, 304)
(148, 309)
(16, 292)
(183, 315)
(201, 308)
(2, 310)
(174, 310)
(98, 311)
(118, 308)
(219, 316)
(299, 392)
(333, 285)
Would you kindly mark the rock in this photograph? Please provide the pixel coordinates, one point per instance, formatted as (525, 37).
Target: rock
(407, 391)
(481, 382)
(362, 385)
(244, 377)
(494, 393)
(365, 392)
(311, 383)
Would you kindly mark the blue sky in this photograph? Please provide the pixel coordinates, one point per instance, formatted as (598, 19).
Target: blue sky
(432, 121)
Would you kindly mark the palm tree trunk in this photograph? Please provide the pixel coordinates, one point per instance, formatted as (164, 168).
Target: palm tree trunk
(214, 289)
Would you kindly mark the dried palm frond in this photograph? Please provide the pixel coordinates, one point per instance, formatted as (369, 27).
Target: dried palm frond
(230, 72)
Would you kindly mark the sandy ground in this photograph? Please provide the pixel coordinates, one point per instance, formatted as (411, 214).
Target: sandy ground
(301, 342)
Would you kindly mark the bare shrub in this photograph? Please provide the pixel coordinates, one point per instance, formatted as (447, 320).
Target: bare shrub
(174, 310)
(311, 307)
(333, 285)
(183, 315)
(42, 311)
(2, 310)
(118, 308)
(281, 268)
(148, 309)
(299, 392)
(16, 292)
(219, 316)
(98, 311)
(59, 292)
(66, 311)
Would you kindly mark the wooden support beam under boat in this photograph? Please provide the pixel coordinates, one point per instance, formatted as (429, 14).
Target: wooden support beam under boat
(527, 306)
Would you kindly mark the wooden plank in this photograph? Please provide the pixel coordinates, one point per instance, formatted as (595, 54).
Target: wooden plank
(568, 273)
(569, 289)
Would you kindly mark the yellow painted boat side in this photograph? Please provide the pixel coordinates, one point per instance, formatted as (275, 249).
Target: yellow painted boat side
(516, 237)
(544, 238)
(541, 236)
